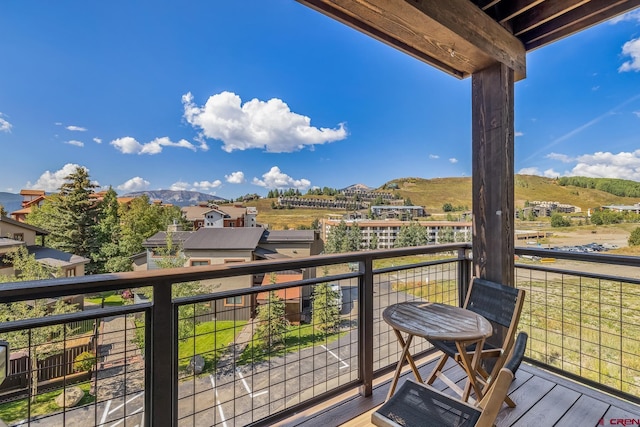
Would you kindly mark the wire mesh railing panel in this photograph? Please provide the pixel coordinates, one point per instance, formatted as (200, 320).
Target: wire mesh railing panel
(584, 325)
(435, 283)
(59, 375)
(249, 355)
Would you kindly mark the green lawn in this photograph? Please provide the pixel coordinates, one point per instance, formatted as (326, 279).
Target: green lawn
(297, 338)
(44, 404)
(110, 299)
(209, 340)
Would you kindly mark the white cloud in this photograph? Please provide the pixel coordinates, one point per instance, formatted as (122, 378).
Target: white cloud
(637, 113)
(632, 49)
(76, 128)
(129, 145)
(518, 133)
(179, 186)
(434, 156)
(623, 165)
(634, 15)
(549, 173)
(276, 179)
(5, 126)
(134, 184)
(207, 185)
(97, 140)
(270, 125)
(51, 181)
(235, 177)
(453, 160)
(75, 142)
(562, 157)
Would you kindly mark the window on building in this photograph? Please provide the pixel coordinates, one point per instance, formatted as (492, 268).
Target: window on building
(200, 262)
(234, 301)
(18, 236)
(71, 272)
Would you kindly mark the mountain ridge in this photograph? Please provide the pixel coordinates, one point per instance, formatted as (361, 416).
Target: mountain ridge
(176, 197)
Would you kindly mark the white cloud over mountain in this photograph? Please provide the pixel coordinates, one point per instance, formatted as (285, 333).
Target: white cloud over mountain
(134, 184)
(129, 145)
(204, 186)
(51, 181)
(277, 179)
(268, 125)
(622, 165)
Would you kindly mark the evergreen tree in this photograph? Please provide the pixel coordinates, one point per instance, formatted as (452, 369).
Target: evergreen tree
(325, 311)
(109, 258)
(71, 218)
(336, 239)
(3, 211)
(413, 234)
(272, 319)
(373, 244)
(353, 241)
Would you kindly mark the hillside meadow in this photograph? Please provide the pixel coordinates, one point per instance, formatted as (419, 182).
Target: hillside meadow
(434, 193)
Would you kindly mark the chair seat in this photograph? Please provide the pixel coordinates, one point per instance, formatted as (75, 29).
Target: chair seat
(417, 405)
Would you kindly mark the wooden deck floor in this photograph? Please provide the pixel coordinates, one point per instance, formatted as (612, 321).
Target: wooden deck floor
(542, 398)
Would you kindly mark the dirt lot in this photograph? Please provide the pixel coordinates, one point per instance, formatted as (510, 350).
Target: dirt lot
(611, 236)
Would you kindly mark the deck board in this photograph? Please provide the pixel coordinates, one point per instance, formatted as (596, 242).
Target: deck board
(542, 398)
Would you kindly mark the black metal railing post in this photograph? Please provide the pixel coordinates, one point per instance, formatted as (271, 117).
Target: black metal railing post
(464, 274)
(163, 409)
(365, 315)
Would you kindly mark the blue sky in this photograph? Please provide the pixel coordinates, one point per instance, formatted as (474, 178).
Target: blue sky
(238, 97)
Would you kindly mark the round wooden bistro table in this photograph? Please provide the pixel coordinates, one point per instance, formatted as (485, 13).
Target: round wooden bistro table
(439, 322)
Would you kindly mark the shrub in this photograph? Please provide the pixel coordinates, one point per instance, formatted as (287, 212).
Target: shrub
(634, 238)
(85, 361)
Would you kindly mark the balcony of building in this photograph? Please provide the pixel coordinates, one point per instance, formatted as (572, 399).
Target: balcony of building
(198, 360)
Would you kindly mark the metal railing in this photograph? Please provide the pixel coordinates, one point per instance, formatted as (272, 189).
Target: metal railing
(201, 360)
(204, 359)
(581, 316)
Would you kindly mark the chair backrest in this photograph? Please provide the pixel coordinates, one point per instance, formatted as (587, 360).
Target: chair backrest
(501, 305)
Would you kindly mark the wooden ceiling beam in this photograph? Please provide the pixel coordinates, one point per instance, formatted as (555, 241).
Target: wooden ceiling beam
(514, 8)
(544, 12)
(455, 36)
(592, 13)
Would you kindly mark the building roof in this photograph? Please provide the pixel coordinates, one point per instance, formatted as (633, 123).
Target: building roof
(275, 236)
(39, 231)
(5, 243)
(233, 211)
(268, 254)
(224, 238)
(55, 258)
(27, 192)
(159, 239)
(193, 213)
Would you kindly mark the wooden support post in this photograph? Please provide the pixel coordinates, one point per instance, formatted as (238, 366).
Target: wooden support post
(493, 210)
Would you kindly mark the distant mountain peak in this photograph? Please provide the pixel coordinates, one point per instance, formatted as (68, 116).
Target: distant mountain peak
(175, 197)
(357, 187)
